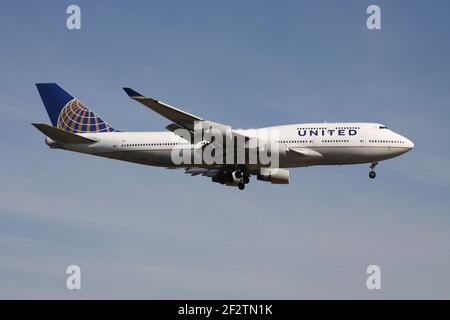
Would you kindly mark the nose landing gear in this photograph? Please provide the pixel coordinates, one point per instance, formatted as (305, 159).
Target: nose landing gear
(372, 173)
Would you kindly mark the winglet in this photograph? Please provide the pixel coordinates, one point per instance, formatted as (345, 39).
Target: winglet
(132, 93)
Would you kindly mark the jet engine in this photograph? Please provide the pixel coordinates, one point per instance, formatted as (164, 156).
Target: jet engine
(274, 175)
(228, 178)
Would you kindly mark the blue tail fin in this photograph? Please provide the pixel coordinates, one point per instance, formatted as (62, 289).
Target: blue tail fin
(68, 113)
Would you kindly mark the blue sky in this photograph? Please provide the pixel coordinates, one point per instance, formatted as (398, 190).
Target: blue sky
(143, 232)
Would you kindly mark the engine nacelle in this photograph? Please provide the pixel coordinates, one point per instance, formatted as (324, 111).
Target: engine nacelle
(235, 181)
(274, 175)
(228, 178)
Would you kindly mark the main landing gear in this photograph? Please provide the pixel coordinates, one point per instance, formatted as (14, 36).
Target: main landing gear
(243, 175)
(372, 173)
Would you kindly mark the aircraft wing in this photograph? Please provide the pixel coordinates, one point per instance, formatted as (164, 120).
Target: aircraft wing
(202, 171)
(180, 118)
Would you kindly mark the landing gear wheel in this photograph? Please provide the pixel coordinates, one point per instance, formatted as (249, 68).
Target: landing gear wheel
(246, 180)
(241, 186)
(372, 173)
(238, 174)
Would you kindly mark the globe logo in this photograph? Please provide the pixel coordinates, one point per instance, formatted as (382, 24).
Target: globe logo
(77, 118)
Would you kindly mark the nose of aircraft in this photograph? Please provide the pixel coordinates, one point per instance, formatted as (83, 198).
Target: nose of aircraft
(409, 144)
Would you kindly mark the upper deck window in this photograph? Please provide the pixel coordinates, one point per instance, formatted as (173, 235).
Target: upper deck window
(383, 127)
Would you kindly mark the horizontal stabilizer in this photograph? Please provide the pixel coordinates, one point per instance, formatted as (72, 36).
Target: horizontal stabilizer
(59, 135)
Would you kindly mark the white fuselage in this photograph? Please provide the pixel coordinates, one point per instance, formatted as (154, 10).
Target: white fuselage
(337, 143)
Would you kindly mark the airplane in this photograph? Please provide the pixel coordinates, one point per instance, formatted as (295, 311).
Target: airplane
(77, 128)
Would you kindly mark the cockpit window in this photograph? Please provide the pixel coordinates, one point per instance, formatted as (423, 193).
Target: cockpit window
(383, 127)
